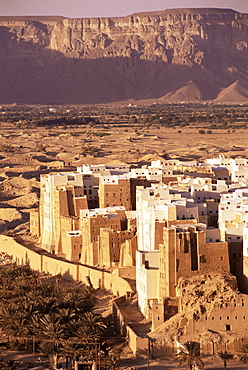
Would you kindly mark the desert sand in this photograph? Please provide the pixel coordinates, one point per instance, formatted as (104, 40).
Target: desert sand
(38, 150)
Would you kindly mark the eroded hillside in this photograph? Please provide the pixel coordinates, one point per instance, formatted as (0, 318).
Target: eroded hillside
(174, 55)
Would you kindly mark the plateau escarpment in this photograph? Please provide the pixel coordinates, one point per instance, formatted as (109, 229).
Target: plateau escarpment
(173, 55)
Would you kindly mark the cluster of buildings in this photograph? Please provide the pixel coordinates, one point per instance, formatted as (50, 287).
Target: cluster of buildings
(168, 220)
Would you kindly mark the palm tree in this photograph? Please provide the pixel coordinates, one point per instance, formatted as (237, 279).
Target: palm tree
(71, 349)
(94, 322)
(5, 365)
(52, 334)
(14, 322)
(57, 320)
(114, 356)
(87, 339)
(6, 285)
(66, 315)
(225, 356)
(34, 329)
(189, 355)
(78, 329)
(243, 356)
(81, 299)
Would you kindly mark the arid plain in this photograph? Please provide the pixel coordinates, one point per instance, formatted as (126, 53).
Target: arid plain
(26, 153)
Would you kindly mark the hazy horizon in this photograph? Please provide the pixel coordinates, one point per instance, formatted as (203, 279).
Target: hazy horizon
(107, 8)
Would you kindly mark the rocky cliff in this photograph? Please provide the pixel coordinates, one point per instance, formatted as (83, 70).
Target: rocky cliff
(173, 55)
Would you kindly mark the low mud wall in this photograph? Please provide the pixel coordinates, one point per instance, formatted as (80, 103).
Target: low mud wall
(42, 261)
(138, 345)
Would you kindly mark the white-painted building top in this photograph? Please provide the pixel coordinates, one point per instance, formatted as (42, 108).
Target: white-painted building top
(110, 212)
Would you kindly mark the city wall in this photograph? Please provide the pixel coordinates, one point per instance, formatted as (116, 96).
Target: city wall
(42, 261)
(138, 345)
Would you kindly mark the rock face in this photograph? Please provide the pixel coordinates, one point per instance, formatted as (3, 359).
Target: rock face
(173, 55)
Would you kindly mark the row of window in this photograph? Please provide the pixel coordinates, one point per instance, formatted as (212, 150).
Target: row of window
(127, 189)
(235, 304)
(112, 226)
(227, 318)
(234, 255)
(114, 195)
(90, 192)
(108, 180)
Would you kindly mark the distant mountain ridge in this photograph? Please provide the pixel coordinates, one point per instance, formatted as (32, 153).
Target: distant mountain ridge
(168, 56)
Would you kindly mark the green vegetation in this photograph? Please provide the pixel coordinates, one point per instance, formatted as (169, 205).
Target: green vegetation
(207, 116)
(7, 148)
(243, 356)
(90, 149)
(225, 356)
(189, 355)
(40, 147)
(55, 319)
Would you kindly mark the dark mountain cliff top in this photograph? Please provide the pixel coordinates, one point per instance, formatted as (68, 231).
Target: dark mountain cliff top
(47, 18)
(189, 11)
(30, 18)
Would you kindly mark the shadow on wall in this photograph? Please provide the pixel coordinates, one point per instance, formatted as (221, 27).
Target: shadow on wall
(42, 261)
(236, 261)
(67, 276)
